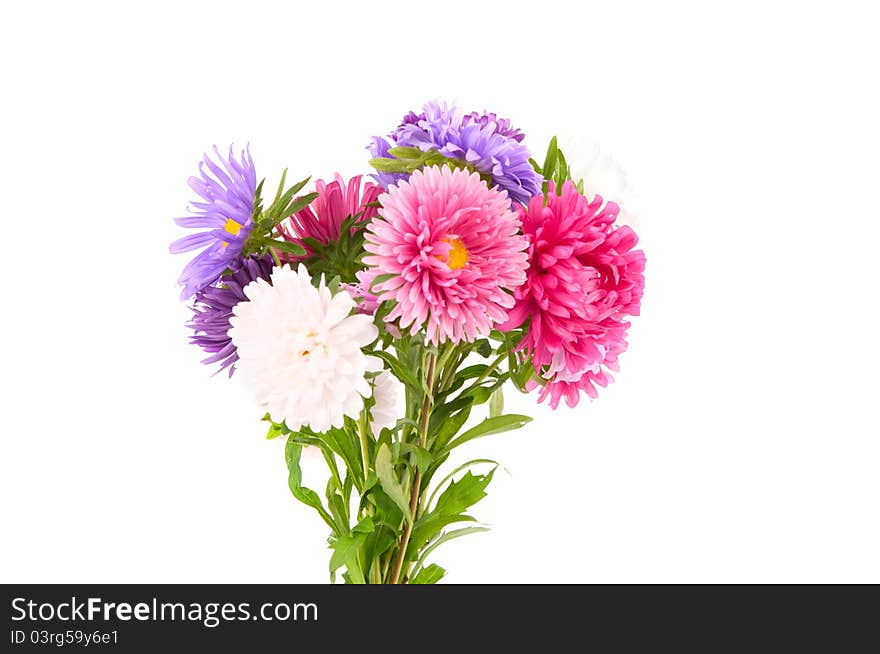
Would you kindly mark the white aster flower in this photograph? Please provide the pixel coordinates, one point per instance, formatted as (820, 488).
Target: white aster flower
(602, 175)
(386, 393)
(300, 350)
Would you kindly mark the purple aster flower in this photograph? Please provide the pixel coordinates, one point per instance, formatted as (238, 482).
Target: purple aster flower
(410, 119)
(225, 215)
(502, 125)
(490, 144)
(212, 309)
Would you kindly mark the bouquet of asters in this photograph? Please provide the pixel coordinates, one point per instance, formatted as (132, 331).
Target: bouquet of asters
(464, 265)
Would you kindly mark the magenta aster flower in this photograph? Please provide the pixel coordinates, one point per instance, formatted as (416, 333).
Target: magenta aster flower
(454, 250)
(318, 227)
(584, 279)
(322, 219)
(225, 215)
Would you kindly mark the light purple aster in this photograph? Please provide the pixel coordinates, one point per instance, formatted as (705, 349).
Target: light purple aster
(485, 141)
(502, 125)
(225, 215)
(212, 309)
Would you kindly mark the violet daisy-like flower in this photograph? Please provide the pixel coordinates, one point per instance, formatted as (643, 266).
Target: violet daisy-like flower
(213, 307)
(502, 125)
(224, 214)
(487, 143)
(585, 278)
(453, 250)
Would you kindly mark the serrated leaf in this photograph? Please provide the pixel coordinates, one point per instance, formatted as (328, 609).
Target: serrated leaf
(461, 494)
(450, 508)
(389, 482)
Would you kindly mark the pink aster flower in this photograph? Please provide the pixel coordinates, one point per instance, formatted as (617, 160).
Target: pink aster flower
(454, 250)
(361, 292)
(584, 279)
(322, 219)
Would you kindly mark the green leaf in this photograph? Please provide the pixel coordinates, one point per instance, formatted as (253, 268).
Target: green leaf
(458, 469)
(471, 371)
(444, 538)
(489, 426)
(421, 456)
(299, 204)
(550, 159)
(292, 453)
(536, 166)
(345, 552)
(406, 152)
(449, 509)
(496, 402)
(337, 508)
(464, 493)
(483, 347)
(449, 426)
(481, 394)
(388, 481)
(430, 575)
(365, 526)
(295, 249)
(400, 371)
(280, 187)
(345, 444)
(378, 279)
(275, 430)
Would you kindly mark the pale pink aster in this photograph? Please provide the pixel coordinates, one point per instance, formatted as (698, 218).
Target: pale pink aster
(362, 293)
(454, 249)
(584, 278)
(322, 219)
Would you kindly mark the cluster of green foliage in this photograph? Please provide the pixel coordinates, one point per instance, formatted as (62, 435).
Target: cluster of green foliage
(555, 169)
(385, 502)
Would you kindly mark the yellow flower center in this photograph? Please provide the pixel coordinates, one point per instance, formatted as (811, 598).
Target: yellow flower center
(458, 255)
(232, 227)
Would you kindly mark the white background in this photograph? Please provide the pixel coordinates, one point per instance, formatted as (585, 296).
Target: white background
(739, 443)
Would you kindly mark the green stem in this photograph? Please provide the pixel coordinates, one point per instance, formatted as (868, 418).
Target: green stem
(417, 477)
(490, 369)
(362, 434)
(275, 256)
